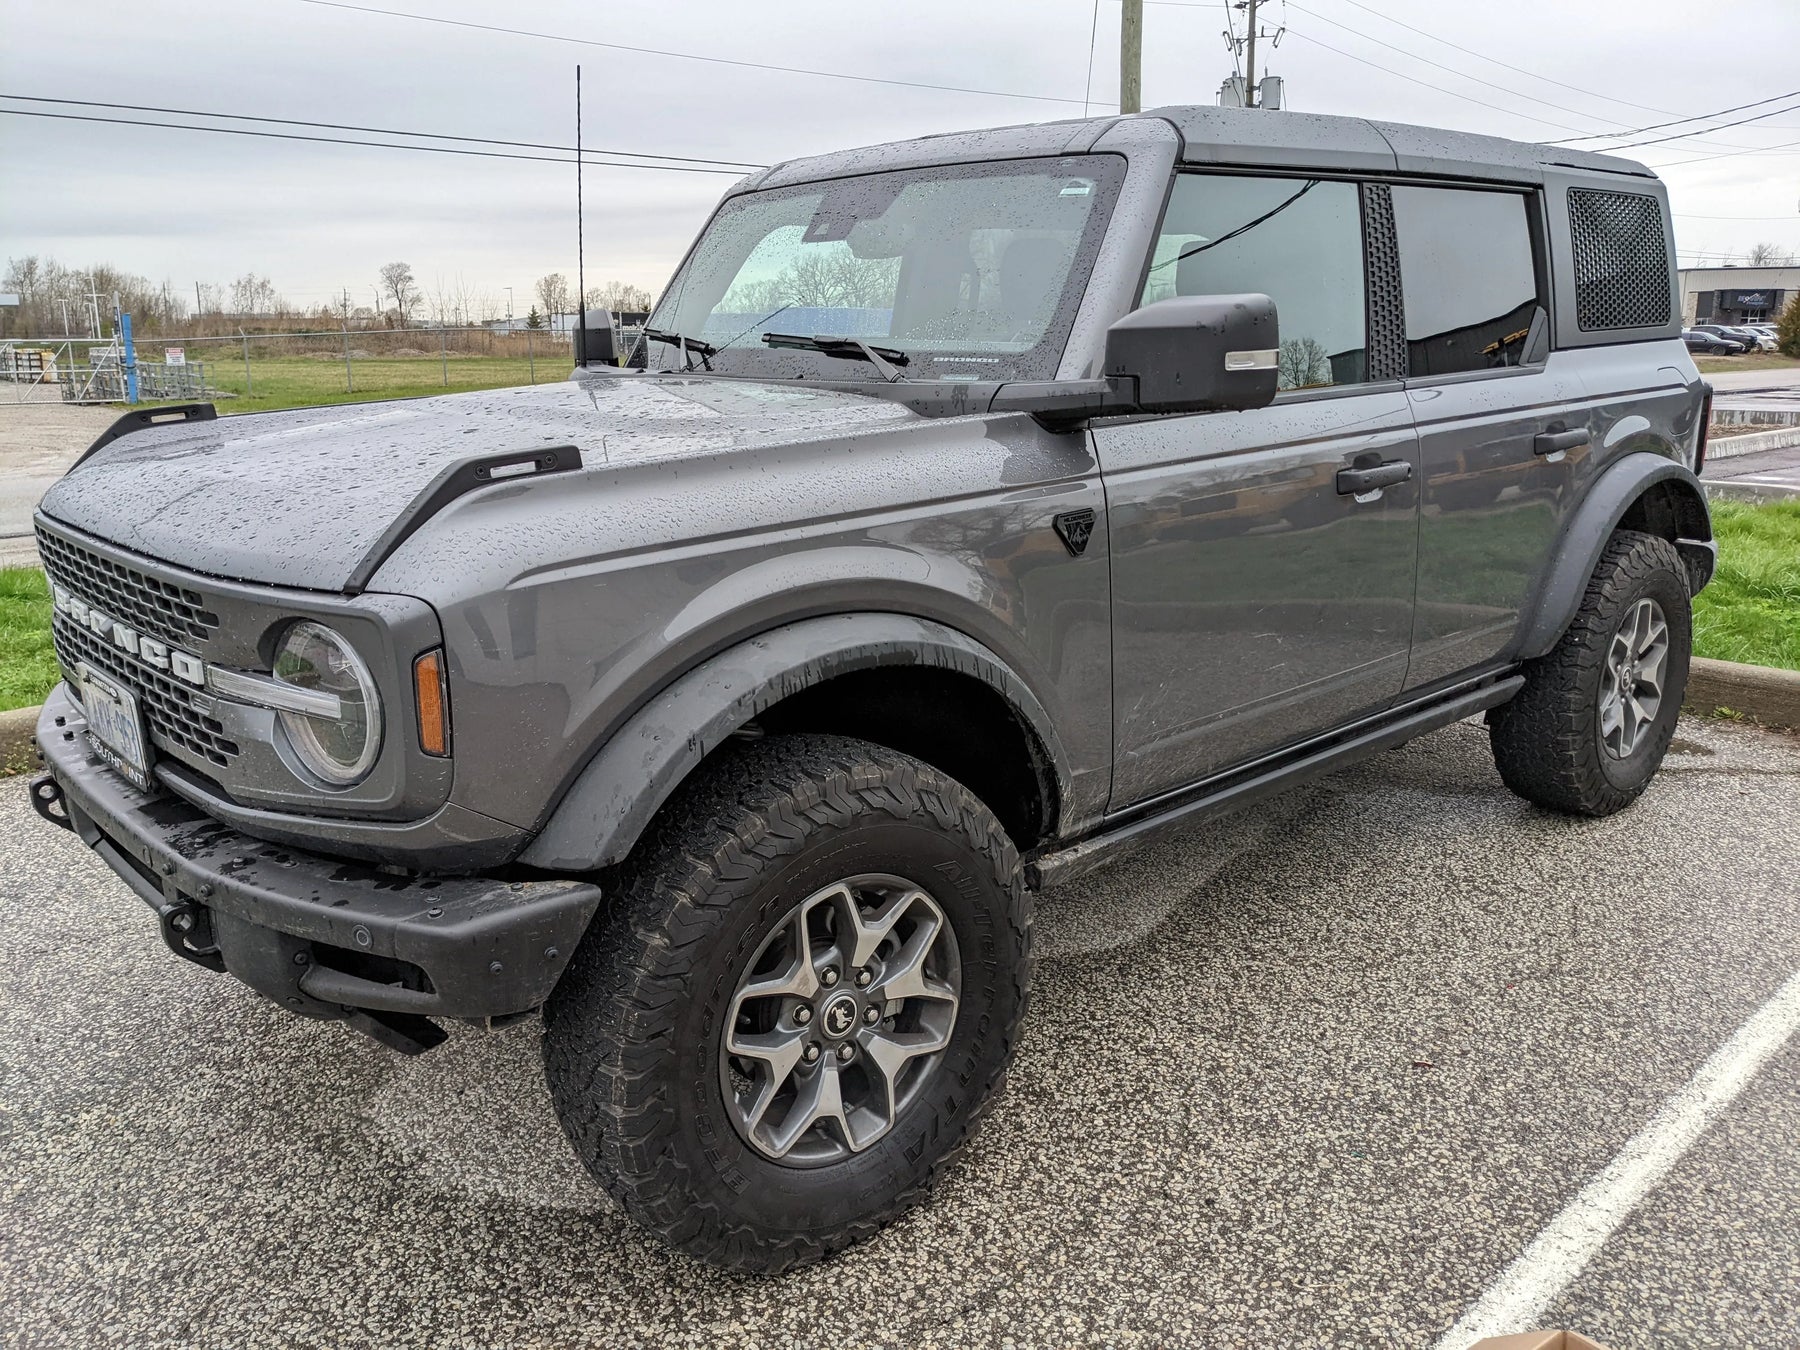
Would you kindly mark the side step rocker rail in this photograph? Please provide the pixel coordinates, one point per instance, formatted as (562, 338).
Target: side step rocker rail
(1245, 787)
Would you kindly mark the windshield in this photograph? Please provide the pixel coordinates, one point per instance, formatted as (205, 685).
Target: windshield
(971, 271)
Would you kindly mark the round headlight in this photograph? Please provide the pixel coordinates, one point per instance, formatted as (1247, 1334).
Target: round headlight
(340, 750)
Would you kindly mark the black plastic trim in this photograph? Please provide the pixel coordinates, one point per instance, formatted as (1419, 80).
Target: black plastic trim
(465, 476)
(1258, 780)
(140, 418)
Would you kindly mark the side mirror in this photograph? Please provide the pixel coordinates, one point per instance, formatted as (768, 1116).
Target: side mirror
(1196, 353)
(598, 345)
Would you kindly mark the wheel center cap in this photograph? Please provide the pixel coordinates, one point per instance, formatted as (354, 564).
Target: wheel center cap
(839, 1017)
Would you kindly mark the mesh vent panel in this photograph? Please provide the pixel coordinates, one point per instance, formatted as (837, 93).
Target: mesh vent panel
(1387, 314)
(1621, 260)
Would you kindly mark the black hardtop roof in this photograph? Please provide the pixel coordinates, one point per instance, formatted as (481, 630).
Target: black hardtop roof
(1240, 136)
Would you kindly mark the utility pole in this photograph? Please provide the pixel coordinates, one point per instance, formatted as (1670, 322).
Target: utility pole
(1254, 95)
(1131, 56)
(1250, 57)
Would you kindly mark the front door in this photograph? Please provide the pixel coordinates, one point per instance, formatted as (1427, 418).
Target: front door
(1262, 574)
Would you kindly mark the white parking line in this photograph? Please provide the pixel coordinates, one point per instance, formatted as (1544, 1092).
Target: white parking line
(1562, 1250)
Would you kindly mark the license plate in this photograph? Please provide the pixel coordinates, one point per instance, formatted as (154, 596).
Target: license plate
(115, 727)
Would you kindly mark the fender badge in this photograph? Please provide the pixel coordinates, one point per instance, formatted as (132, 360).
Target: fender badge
(1075, 528)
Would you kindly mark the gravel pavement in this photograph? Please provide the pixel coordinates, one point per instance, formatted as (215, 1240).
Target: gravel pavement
(1312, 1076)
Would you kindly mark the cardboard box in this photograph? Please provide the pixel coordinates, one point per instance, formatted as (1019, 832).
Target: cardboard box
(1539, 1340)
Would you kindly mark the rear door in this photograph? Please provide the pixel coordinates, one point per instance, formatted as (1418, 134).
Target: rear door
(1504, 431)
(1258, 597)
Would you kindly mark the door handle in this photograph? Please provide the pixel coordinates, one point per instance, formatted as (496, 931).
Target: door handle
(1555, 442)
(1353, 482)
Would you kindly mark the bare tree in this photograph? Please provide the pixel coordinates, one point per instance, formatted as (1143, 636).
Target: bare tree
(553, 294)
(621, 297)
(1302, 363)
(397, 281)
(1770, 255)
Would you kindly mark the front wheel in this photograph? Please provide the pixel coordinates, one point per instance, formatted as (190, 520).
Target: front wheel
(1590, 728)
(798, 1002)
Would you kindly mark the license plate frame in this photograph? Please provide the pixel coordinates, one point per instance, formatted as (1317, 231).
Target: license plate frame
(115, 726)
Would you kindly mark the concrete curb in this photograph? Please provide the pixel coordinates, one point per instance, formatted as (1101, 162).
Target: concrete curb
(1761, 693)
(1729, 447)
(17, 754)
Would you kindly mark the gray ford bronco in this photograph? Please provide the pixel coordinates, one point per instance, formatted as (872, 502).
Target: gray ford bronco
(972, 509)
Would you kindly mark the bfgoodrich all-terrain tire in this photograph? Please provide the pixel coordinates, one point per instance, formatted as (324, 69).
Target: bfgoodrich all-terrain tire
(1590, 728)
(800, 997)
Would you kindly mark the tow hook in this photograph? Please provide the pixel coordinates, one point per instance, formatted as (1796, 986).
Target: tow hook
(47, 801)
(188, 931)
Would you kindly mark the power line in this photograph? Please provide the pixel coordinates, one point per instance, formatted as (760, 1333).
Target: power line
(1521, 70)
(1697, 117)
(344, 140)
(1087, 89)
(1729, 154)
(1400, 74)
(1682, 136)
(376, 131)
(1460, 74)
(682, 56)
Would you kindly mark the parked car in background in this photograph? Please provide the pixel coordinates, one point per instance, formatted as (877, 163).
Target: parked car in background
(729, 708)
(1745, 339)
(1709, 343)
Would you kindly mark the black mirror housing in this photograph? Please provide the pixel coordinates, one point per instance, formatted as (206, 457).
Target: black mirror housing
(597, 345)
(1197, 353)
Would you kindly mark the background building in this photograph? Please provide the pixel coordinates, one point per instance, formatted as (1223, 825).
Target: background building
(1736, 294)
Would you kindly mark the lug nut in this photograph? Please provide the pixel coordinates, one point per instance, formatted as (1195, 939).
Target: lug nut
(846, 1052)
(829, 976)
(871, 1014)
(864, 978)
(811, 1053)
(802, 1015)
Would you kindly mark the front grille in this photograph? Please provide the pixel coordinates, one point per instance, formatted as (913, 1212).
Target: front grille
(1621, 260)
(171, 714)
(161, 609)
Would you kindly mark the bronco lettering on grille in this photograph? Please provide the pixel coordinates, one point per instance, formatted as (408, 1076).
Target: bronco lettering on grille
(157, 655)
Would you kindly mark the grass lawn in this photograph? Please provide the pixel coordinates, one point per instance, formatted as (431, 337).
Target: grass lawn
(1748, 361)
(27, 662)
(1751, 611)
(305, 382)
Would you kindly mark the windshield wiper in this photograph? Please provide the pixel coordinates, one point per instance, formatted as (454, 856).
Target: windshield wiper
(690, 347)
(886, 360)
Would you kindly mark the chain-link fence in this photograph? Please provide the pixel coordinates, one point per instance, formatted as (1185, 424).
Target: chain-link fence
(259, 371)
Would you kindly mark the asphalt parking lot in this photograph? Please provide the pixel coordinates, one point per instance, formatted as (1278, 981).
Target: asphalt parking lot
(1314, 1076)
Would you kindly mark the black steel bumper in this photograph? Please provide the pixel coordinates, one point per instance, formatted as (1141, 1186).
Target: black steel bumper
(324, 937)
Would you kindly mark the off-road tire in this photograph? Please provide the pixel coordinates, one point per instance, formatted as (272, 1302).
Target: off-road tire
(1546, 741)
(632, 1033)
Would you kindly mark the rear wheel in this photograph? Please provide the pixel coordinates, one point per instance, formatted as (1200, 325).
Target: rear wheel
(1590, 728)
(803, 994)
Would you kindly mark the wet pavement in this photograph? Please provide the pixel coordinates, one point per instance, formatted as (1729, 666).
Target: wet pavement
(1310, 1076)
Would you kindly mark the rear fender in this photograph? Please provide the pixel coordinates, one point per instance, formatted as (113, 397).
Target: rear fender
(1607, 504)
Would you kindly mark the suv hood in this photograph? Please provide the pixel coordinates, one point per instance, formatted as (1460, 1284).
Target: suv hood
(302, 498)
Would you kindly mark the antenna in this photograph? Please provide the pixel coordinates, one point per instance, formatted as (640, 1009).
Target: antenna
(580, 258)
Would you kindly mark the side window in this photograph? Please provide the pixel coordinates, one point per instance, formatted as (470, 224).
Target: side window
(1467, 274)
(1297, 240)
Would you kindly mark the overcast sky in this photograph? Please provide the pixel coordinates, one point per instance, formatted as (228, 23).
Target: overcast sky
(187, 206)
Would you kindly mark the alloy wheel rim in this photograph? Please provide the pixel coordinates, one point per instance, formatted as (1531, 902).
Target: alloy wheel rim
(840, 1020)
(1632, 683)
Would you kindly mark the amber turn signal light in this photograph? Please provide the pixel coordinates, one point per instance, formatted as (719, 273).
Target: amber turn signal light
(433, 703)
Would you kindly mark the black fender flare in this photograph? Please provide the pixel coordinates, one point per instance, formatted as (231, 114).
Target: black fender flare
(613, 799)
(1584, 537)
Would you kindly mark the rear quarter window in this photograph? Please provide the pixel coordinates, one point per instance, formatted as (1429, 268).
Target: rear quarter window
(1468, 275)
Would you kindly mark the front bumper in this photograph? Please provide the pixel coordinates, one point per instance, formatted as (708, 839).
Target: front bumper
(324, 937)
